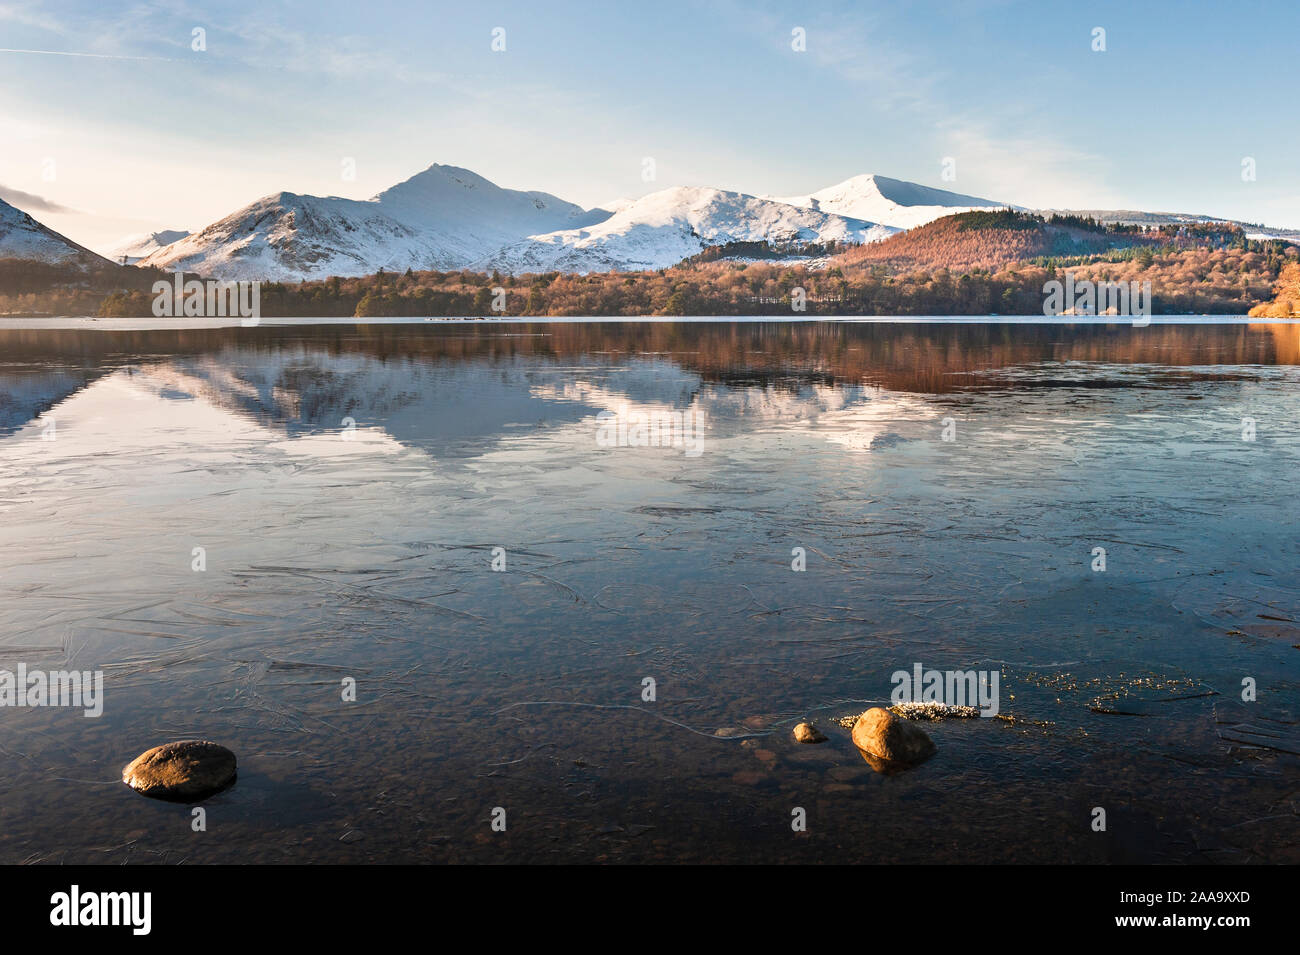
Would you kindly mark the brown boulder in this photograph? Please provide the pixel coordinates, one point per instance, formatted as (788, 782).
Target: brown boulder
(184, 771)
(881, 734)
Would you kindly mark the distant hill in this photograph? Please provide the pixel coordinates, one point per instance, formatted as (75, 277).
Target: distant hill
(987, 240)
(889, 202)
(1135, 217)
(139, 247)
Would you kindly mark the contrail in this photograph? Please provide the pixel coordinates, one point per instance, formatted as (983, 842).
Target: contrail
(96, 56)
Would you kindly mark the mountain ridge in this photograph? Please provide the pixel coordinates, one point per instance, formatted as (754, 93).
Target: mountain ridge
(665, 227)
(448, 217)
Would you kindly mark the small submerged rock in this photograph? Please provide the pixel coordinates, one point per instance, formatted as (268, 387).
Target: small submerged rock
(184, 771)
(891, 739)
(807, 733)
(890, 440)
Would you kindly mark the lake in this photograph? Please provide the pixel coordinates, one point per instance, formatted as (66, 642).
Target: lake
(421, 576)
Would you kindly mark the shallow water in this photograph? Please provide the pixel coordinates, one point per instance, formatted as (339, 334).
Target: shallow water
(348, 485)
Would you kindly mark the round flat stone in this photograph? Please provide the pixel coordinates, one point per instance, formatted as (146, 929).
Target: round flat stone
(183, 771)
(807, 733)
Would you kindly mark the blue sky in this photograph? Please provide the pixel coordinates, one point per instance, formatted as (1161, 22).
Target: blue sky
(146, 133)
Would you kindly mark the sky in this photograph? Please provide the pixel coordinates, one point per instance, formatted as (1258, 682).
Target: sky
(112, 122)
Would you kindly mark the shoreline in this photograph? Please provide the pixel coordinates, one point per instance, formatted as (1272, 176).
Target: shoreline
(19, 323)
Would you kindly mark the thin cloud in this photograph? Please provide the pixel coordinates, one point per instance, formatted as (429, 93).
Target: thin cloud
(30, 202)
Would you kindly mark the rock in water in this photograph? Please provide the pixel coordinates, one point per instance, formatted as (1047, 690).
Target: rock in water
(887, 737)
(807, 733)
(185, 771)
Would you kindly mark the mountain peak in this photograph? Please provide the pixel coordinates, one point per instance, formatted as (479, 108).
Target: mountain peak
(438, 177)
(449, 197)
(892, 202)
(904, 193)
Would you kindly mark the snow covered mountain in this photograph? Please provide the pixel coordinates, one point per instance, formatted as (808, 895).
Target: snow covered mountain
(288, 237)
(137, 247)
(661, 229)
(22, 237)
(448, 199)
(442, 218)
(890, 202)
(450, 218)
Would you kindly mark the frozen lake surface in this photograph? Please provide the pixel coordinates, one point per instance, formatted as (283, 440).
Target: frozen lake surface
(345, 487)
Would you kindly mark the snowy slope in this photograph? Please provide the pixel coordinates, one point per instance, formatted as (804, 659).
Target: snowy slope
(891, 202)
(22, 237)
(288, 236)
(442, 218)
(665, 227)
(137, 247)
(614, 205)
(447, 199)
